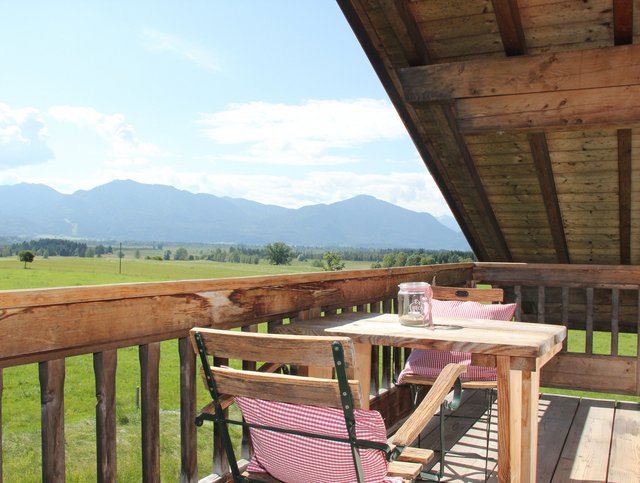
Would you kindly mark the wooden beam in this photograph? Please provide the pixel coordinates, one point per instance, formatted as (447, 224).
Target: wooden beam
(149, 355)
(549, 111)
(527, 74)
(623, 22)
(104, 367)
(624, 193)
(510, 27)
(51, 374)
(188, 434)
(542, 162)
(403, 22)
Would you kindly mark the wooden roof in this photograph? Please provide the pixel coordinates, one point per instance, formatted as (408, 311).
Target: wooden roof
(526, 113)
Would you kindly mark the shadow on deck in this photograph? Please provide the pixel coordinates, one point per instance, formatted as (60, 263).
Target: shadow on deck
(586, 440)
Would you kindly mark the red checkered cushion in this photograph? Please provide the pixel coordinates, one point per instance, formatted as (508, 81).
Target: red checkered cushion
(429, 363)
(292, 458)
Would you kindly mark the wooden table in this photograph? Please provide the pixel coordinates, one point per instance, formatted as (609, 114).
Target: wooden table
(518, 351)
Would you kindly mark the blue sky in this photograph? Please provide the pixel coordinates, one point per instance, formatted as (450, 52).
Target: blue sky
(273, 101)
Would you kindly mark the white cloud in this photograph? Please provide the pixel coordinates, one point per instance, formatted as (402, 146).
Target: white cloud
(127, 149)
(23, 137)
(309, 134)
(156, 41)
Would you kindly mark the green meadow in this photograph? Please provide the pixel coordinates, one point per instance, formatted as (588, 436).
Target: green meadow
(21, 397)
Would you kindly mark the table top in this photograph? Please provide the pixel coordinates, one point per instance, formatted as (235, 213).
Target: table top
(478, 336)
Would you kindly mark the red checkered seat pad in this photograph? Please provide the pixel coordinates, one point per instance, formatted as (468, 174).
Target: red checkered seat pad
(429, 363)
(295, 459)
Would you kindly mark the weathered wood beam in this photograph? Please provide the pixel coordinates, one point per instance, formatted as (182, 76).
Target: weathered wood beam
(542, 162)
(104, 367)
(549, 111)
(149, 355)
(623, 35)
(623, 22)
(188, 434)
(526, 74)
(510, 26)
(403, 21)
(1, 387)
(51, 374)
(624, 193)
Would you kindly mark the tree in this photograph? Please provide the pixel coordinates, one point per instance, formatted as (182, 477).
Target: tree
(279, 253)
(137, 254)
(181, 254)
(333, 261)
(167, 255)
(26, 256)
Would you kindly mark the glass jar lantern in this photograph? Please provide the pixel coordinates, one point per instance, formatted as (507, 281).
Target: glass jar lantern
(414, 304)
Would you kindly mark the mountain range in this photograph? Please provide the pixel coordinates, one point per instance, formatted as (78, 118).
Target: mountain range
(132, 211)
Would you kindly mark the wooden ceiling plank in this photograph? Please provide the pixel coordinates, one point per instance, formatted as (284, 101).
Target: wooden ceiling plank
(529, 74)
(404, 20)
(542, 161)
(624, 193)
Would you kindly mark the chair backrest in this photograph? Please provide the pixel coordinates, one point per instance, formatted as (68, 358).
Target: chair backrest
(281, 350)
(278, 408)
(488, 295)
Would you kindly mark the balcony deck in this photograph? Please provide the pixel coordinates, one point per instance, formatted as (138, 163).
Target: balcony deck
(580, 439)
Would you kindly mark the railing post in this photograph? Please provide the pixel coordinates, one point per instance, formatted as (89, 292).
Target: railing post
(188, 433)
(149, 378)
(104, 367)
(51, 374)
(1, 387)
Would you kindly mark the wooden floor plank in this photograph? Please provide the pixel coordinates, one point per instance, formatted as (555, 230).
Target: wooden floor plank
(586, 453)
(555, 415)
(624, 464)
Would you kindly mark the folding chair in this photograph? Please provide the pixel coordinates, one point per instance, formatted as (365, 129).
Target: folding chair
(423, 366)
(307, 428)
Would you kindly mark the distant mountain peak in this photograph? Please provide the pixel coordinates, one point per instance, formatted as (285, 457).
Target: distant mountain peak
(128, 210)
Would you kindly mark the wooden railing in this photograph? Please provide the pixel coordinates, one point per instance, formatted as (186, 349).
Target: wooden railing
(46, 326)
(49, 325)
(589, 299)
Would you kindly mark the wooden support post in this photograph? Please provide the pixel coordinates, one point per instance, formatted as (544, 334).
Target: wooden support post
(509, 420)
(104, 368)
(51, 375)
(220, 460)
(188, 432)
(149, 381)
(1, 387)
(530, 396)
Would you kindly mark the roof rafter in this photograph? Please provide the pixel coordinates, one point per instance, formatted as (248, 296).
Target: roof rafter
(623, 35)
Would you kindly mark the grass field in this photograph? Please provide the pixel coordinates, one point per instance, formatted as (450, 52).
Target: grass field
(21, 396)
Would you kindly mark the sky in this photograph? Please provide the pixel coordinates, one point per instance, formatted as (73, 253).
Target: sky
(272, 101)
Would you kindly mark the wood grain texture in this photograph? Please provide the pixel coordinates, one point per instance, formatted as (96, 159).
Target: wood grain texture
(582, 457)
(149, 355)
(526, 74)
(624, 464)
(188, 434)
(104, 367)
(75, 320)
(52, 375)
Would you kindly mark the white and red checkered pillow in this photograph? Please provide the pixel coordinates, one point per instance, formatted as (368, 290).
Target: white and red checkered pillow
(429, 363)
(292, 458)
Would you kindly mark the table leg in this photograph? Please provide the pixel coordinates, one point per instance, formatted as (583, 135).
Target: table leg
(363, 370)
(509, 420)
(530, 396)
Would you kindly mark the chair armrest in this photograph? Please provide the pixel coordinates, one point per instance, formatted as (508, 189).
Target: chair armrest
(413, 426)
